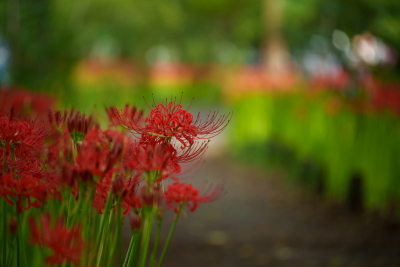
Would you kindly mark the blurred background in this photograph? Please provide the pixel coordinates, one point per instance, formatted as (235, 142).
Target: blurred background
(314, 89)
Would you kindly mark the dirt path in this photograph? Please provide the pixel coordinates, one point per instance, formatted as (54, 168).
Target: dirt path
(264, 221)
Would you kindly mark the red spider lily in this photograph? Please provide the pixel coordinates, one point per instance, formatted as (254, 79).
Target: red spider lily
(116, 148)
(123, 189)
(113, 136)
(136, 199)
(91, 159)
(79, 122)
(60, 152)
(187, 154)
(67, 244)
(94, 155)
(51, 184)
(150, 196)
(148, 158)
(24, 102)
(94, 137)
(118, 186)
(25, 187)
(22, 166)
(136, 221)
(212, 125)
(179, 193)
(128, 117)
(101, 193)
(28, 170)
(163, 158)
(172, 121)
(130, 197)
(68, 175)
(53, 157)
(23, 137)
(57, 118)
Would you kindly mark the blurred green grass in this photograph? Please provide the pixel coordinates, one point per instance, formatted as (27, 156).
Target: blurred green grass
(299, 133)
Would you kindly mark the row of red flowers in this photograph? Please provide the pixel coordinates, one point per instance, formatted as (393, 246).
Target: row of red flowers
(82, 180)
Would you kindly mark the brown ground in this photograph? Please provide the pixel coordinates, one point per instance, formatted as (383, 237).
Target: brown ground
(262, 220)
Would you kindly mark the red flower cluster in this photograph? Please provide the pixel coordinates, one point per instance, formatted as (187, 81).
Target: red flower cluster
(26, 139)
(69, 158)
(167, 138)
(179, 194)
(171, 121)
(26, 187)
(150, 158)
(25, 103)
(22, 175)
(66, 244)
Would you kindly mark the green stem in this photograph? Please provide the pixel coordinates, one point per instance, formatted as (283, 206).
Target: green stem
(115, 253)
(155, 247)
(99, 235)
(4, 204)
(119, 235)
(21, 239)
(171, 233)
(5, 233)
(88, 211)
(103, 237)
(147, 227)
(10, 257)
(88, 235)
(18, 252)
(130, 249)
(78, 209)
(133, 259)
(68, 215)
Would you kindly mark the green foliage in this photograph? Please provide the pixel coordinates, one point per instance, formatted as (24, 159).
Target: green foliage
(322, 148)
(42, 50)
(49, 37)
(193, 27)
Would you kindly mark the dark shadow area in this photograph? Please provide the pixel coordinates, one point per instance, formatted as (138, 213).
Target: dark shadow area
(355, 197)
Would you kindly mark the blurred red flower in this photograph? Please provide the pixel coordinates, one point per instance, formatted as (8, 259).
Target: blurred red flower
(67, 244)
(28, 187)
(26, 139)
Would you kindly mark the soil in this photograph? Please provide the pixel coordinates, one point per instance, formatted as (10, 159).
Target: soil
(264, 220)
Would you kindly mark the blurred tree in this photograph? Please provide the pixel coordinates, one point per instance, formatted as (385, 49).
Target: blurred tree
(191, 27)
(47, 37)
(42, 49)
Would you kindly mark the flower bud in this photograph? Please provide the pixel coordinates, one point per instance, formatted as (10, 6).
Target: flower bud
(151, 198)
(136, 221)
